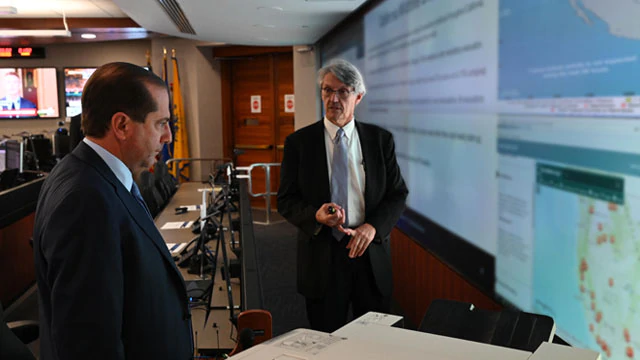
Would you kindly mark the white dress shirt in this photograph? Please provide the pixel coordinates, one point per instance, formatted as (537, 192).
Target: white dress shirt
(116, 165)
(357, 184)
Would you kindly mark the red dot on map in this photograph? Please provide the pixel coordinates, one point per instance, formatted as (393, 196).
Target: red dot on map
(627, 337)
(598, 317)
(599, 226)
(612, 239)
(593, 295)
(613, 207)
(598, 340)
(629, 352)
(593, 305)
(591, 327)
(610, 282)
(591, 209)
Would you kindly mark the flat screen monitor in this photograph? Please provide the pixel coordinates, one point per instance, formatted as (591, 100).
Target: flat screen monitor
(12, 152)
(28, 93)
(74, 80)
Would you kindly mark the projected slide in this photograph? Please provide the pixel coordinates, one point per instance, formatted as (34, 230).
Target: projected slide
(433, 153)
(569, 57)
(569, 221)
(431, 80)
(586, 226)
(430, 55)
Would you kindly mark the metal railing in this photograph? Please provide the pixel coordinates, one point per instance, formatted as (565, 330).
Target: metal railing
(267, 194)
(214, 162)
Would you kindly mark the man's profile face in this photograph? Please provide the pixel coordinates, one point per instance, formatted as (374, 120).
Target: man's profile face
(148, 138)
(12, 86)
(338, 109)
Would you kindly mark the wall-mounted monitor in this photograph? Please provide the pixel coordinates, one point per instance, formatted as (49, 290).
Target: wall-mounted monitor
(74, 80)
(28, 93)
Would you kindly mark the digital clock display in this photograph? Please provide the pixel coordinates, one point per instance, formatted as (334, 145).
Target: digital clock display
(21, 52)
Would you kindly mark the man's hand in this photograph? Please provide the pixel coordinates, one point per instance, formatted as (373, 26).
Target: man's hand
(361, 237)
(332, 218)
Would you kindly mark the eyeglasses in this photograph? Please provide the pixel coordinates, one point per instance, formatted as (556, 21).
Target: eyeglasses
(342, 93)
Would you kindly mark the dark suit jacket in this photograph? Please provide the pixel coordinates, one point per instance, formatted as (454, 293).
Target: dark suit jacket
(304, 187)
(108, 287)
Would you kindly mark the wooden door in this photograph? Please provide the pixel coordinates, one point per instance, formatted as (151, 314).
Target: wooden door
(255, 133)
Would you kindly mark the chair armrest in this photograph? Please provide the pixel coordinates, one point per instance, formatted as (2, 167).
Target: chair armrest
(26, 330)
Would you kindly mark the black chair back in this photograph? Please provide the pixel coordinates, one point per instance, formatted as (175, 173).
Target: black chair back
(512, 329)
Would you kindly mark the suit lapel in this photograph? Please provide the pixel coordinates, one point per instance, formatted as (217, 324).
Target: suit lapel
(137, 213)
(318, 145)
(368, 147)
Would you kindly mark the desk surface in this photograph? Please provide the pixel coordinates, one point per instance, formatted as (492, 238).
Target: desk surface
(371, 337)
(187, 194)
(206, 337)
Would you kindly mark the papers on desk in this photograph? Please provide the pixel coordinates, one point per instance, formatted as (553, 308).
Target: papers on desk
(191, 207)
(176, 249)
(173, 225)
(307, 342)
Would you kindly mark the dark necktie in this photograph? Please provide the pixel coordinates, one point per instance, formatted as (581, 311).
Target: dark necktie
(340, 177)
(135, 191)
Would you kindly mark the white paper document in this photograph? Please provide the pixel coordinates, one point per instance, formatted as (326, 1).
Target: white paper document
(173, 225)
(191, 207)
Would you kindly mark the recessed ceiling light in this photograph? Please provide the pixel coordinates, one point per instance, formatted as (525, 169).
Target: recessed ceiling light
(88, 36)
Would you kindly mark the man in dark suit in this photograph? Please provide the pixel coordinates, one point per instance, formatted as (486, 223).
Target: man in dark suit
(108, 287)
(341, 186)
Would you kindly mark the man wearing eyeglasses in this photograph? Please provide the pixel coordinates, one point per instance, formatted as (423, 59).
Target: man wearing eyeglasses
(341, 186)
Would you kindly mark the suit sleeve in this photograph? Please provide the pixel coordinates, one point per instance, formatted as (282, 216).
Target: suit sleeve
(81, 245)
(384, 217)
(291, 203)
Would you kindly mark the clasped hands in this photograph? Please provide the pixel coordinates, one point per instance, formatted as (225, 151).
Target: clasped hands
(361, 236)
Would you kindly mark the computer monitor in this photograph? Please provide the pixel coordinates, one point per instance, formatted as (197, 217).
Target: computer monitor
(13, 155)
(28, 93)
(74, 80)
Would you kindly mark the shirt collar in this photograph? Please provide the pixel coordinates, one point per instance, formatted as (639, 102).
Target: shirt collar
(333, 128)
(116, 165)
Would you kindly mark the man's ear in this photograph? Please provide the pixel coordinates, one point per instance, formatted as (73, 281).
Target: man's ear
(358, 98)
(120, 125)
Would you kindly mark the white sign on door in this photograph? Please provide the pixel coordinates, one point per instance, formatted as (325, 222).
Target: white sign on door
(289, 103)
(256, 104)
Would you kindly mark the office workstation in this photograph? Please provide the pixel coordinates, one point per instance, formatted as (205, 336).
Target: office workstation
(519, 147)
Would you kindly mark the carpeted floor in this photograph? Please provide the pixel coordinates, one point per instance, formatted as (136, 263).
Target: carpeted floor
(276, 248)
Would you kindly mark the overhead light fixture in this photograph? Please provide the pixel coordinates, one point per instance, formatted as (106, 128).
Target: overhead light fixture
(35, 33)
(39, 32)
(88, 36)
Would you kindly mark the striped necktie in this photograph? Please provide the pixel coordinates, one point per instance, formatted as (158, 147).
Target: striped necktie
(135, 191)
(340, 177)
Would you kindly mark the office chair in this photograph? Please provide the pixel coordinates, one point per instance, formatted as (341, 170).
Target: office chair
(254, 327)
(14, 336)
(512, 329)
(149, 192)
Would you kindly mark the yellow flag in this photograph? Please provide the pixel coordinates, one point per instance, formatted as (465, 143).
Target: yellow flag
(181, 141)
